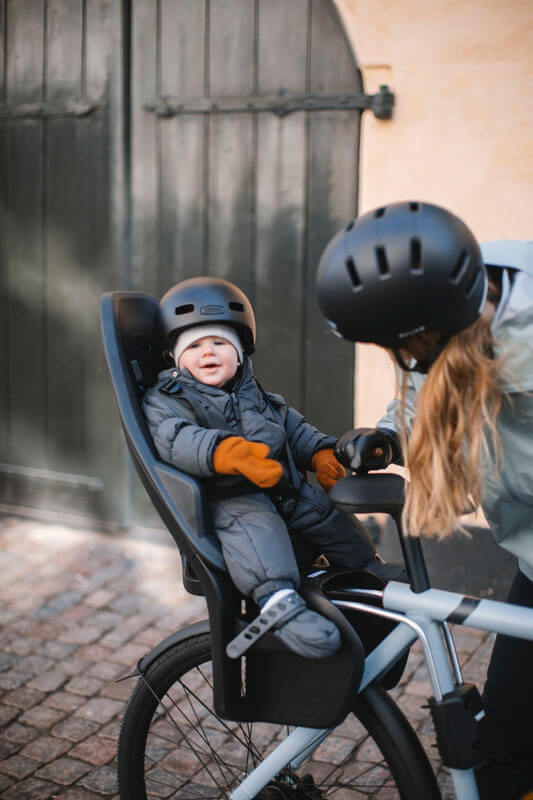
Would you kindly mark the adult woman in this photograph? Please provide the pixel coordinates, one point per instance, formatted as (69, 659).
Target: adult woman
(459, 322)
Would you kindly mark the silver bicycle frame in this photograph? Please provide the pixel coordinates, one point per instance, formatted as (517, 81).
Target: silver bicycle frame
(423, 616)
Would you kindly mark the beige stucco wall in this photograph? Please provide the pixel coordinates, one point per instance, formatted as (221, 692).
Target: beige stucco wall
(461, 136)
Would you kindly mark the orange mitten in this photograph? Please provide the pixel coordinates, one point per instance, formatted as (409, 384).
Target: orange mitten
(328, 469)
(237, 456)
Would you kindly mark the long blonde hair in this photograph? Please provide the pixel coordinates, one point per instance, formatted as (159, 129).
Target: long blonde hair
(455, 427)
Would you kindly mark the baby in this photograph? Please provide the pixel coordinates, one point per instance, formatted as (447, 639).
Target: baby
(210, 417)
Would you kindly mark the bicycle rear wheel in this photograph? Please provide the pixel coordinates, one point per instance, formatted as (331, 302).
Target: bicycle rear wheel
(173, 745)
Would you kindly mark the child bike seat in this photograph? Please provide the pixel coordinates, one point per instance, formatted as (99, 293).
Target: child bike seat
(275, 691)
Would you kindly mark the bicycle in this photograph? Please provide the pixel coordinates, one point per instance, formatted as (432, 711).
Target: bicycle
(266, 724)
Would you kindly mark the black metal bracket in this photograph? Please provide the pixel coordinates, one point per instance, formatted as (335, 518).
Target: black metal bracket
(281, 103)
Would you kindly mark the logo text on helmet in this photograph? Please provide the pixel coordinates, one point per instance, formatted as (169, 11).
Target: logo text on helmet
(211, 309)
(405, 334)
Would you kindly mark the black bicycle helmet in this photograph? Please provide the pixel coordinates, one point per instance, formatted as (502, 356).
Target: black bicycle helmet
(399, 270)
(206, 301)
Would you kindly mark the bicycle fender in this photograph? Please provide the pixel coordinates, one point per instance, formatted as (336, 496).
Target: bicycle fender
(181, 635)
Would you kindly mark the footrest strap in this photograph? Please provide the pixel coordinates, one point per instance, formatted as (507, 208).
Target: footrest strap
(274, 617)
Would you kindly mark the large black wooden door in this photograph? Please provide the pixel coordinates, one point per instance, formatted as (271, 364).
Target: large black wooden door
(245, 160)
(61, 245)
(143, 143)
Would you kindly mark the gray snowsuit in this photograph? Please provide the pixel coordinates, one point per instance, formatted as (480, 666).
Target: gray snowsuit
(188, 419)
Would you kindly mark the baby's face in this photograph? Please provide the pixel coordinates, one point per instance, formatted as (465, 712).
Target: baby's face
(211, 359)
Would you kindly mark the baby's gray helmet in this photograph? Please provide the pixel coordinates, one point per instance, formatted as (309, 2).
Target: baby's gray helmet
(206, 301)
(399, 270)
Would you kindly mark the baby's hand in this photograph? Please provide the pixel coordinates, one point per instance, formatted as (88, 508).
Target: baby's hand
(238, 456)
(328, 470)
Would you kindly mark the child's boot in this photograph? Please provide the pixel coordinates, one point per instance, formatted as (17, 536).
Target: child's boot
(305, 632)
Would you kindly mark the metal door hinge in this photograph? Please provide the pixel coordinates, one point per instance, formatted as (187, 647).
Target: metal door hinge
(280, 103)
(79, 107)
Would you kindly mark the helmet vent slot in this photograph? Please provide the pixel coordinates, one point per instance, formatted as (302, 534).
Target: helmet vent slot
(413, 206)
(473, 283)
(236, 306)
(354, 275)
(460, 267)
(185, 309)
(382, 262)
(379, 212)
(349, 226)
(416, 257)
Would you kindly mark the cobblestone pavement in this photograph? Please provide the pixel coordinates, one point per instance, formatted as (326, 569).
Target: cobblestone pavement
(78, 608)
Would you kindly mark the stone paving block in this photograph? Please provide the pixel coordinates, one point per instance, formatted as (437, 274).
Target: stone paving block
(35, 664)
(418, 688)
(99, 709)
(102, 779)
(7, 617)
(63, 701)
(74, 615)
(106, 620)
(8, 748)
(63, 771)
(95, 653)
(111, 730)
(7, 713)
(80, 634)
(7, 660)
(75, 664)
(128, 655)
(76, 793)
(97, 750)
(5, 782)
(105, 670)
(57, 604)
(148, 638)
(21, 645)
(41, 717)
(116, 638)
(21, 734)
(18, 766)
(74, 729)
(46, 749)
(100, 598)
(49, 681)
(57, 650)
(12, 679)
(85, 686)
(118, 691)
(129, 603)
(47, 632)
(31, 789)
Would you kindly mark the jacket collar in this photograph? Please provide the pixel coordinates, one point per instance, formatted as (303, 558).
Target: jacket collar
(243, 376)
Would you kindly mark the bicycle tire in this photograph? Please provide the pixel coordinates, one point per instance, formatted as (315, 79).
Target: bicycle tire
(179, 748)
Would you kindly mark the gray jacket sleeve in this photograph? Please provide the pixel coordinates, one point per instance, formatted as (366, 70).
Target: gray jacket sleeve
(392, 419)
(304, 439)
(178, 438)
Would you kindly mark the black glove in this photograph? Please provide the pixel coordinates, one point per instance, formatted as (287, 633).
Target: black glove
(363, 449)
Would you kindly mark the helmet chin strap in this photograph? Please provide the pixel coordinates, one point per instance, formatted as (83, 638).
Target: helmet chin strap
(424, 364)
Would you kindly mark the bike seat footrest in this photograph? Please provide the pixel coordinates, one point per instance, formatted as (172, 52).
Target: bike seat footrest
(276, 615)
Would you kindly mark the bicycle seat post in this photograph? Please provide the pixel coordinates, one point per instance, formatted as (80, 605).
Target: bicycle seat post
(413, 557)
(384, 493)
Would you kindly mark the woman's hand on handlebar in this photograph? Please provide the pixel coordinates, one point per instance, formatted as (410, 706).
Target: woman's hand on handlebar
(364, 449)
